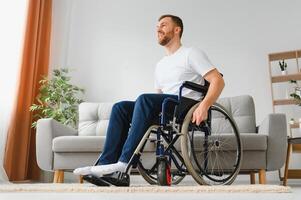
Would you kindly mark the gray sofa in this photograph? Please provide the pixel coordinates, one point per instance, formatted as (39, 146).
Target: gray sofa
(61, 149)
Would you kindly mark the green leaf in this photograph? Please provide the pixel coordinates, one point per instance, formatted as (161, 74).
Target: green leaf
(58, 98)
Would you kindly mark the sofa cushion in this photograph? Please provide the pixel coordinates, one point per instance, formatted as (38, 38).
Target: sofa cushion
(250, 142)
(243, 111)
(94, 118)
(78, 144)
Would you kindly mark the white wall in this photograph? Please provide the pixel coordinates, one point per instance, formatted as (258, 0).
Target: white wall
(12, 20)
(111, 44)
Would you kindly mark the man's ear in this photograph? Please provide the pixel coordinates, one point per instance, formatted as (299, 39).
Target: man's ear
(177, 29)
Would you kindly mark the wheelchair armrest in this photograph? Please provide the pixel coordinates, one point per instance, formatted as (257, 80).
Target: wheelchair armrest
(196, 87)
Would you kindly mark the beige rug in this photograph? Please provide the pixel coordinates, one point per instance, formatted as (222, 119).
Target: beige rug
(142, 188)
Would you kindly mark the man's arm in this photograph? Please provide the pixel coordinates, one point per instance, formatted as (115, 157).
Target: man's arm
(215, 89)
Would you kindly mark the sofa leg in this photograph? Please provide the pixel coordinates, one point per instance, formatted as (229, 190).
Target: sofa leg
(58, 176)
(252, 177)
(262, 176)
(81, 180)
(61, 180)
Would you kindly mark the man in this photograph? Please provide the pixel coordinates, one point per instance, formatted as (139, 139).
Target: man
(129, 120)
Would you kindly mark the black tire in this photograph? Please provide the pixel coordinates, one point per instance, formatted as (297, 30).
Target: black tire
(214, 159)
(149, 173)
(149, 176)
(164, 176)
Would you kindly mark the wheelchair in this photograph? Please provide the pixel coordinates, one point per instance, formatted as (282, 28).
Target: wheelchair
(210, 152)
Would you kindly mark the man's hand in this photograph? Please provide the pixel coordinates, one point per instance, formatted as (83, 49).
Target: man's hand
(200, 114)
(216, 86)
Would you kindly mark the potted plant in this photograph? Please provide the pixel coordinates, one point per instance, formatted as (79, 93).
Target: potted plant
(57, 99)
(290, 90)
(292, 121)
(283, 66)
(296, 95)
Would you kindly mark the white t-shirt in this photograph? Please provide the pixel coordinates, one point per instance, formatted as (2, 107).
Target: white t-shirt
(186, 64)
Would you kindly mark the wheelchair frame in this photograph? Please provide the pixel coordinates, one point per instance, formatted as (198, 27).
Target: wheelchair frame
(170, 133)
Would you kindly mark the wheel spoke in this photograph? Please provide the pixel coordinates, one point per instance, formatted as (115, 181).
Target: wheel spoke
(218, 160)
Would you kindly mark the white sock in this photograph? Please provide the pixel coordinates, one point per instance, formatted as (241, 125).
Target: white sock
(101, 170)
(83, 170)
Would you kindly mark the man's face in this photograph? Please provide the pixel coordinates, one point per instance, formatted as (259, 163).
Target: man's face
(165, 31)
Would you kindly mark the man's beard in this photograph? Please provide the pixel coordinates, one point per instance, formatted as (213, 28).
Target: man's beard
(166, 39)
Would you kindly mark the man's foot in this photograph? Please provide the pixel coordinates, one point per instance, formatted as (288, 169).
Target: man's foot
(83, 170)
(101, 170)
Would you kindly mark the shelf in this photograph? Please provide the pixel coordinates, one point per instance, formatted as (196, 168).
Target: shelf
(296, 148)
(285, 55)
(286, 78)
(284, 102)
(294, 174)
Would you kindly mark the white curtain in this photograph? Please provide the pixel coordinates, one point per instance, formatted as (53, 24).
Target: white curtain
(12, 23)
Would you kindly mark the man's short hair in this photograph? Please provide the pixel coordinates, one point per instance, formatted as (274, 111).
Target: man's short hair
(177, 20)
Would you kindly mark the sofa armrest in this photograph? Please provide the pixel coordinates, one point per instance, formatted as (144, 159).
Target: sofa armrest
(47, 130)
(275, 126)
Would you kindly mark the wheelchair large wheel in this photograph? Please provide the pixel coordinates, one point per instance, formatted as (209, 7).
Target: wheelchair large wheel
(149, 171)
(212, 151)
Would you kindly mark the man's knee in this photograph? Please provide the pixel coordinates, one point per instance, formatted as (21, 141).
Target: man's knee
(120, 105)
(143, 98)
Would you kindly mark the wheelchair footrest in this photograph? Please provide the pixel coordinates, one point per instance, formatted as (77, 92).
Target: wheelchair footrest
(116, 179)
(95, 180)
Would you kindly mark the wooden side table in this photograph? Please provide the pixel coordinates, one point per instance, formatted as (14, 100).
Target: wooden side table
(291, 173)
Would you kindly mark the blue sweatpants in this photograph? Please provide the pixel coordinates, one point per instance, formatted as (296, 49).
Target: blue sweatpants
(128, 123)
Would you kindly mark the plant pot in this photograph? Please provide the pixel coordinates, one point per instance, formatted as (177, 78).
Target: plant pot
(298, 91)
(284, 72)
